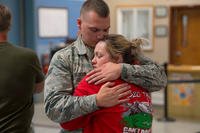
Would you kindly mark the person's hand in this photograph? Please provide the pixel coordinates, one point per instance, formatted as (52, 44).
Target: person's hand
(110, 95)
(107, 72)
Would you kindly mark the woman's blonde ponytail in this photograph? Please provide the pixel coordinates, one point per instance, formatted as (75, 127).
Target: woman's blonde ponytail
(136, 47)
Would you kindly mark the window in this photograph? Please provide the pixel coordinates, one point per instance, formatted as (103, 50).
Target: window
(53, 22)
(136, 22)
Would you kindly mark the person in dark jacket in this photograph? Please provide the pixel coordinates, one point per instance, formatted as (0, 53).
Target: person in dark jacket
(20, 77)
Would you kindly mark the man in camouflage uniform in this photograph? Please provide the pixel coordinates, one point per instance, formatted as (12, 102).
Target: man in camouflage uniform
(69, 65)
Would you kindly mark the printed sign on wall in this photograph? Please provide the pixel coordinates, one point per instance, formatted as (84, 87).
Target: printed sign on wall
(182, 94)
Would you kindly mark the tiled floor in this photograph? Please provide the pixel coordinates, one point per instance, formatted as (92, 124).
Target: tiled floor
(42, 124)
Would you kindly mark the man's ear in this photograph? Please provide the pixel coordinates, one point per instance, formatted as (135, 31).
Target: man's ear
(79, 23)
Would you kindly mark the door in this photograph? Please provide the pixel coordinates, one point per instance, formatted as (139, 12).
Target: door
(185, 36)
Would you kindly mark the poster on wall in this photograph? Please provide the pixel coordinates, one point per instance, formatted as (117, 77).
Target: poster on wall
(53, 22)
(182, 93)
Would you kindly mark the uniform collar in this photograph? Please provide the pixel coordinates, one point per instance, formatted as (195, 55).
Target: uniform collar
(83, 49)
(80, 46)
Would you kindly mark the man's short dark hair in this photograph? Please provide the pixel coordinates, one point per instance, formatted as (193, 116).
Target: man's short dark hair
(5, 18)
(99, 6)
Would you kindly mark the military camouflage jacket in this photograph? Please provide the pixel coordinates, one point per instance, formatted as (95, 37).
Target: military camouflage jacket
(69, 65)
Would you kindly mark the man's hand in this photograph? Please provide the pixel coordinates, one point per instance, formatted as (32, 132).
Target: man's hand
(109, 96)
(107, 72)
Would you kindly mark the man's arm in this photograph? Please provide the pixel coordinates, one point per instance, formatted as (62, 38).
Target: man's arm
(39, 75)
(60, 105)
(148, 74)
